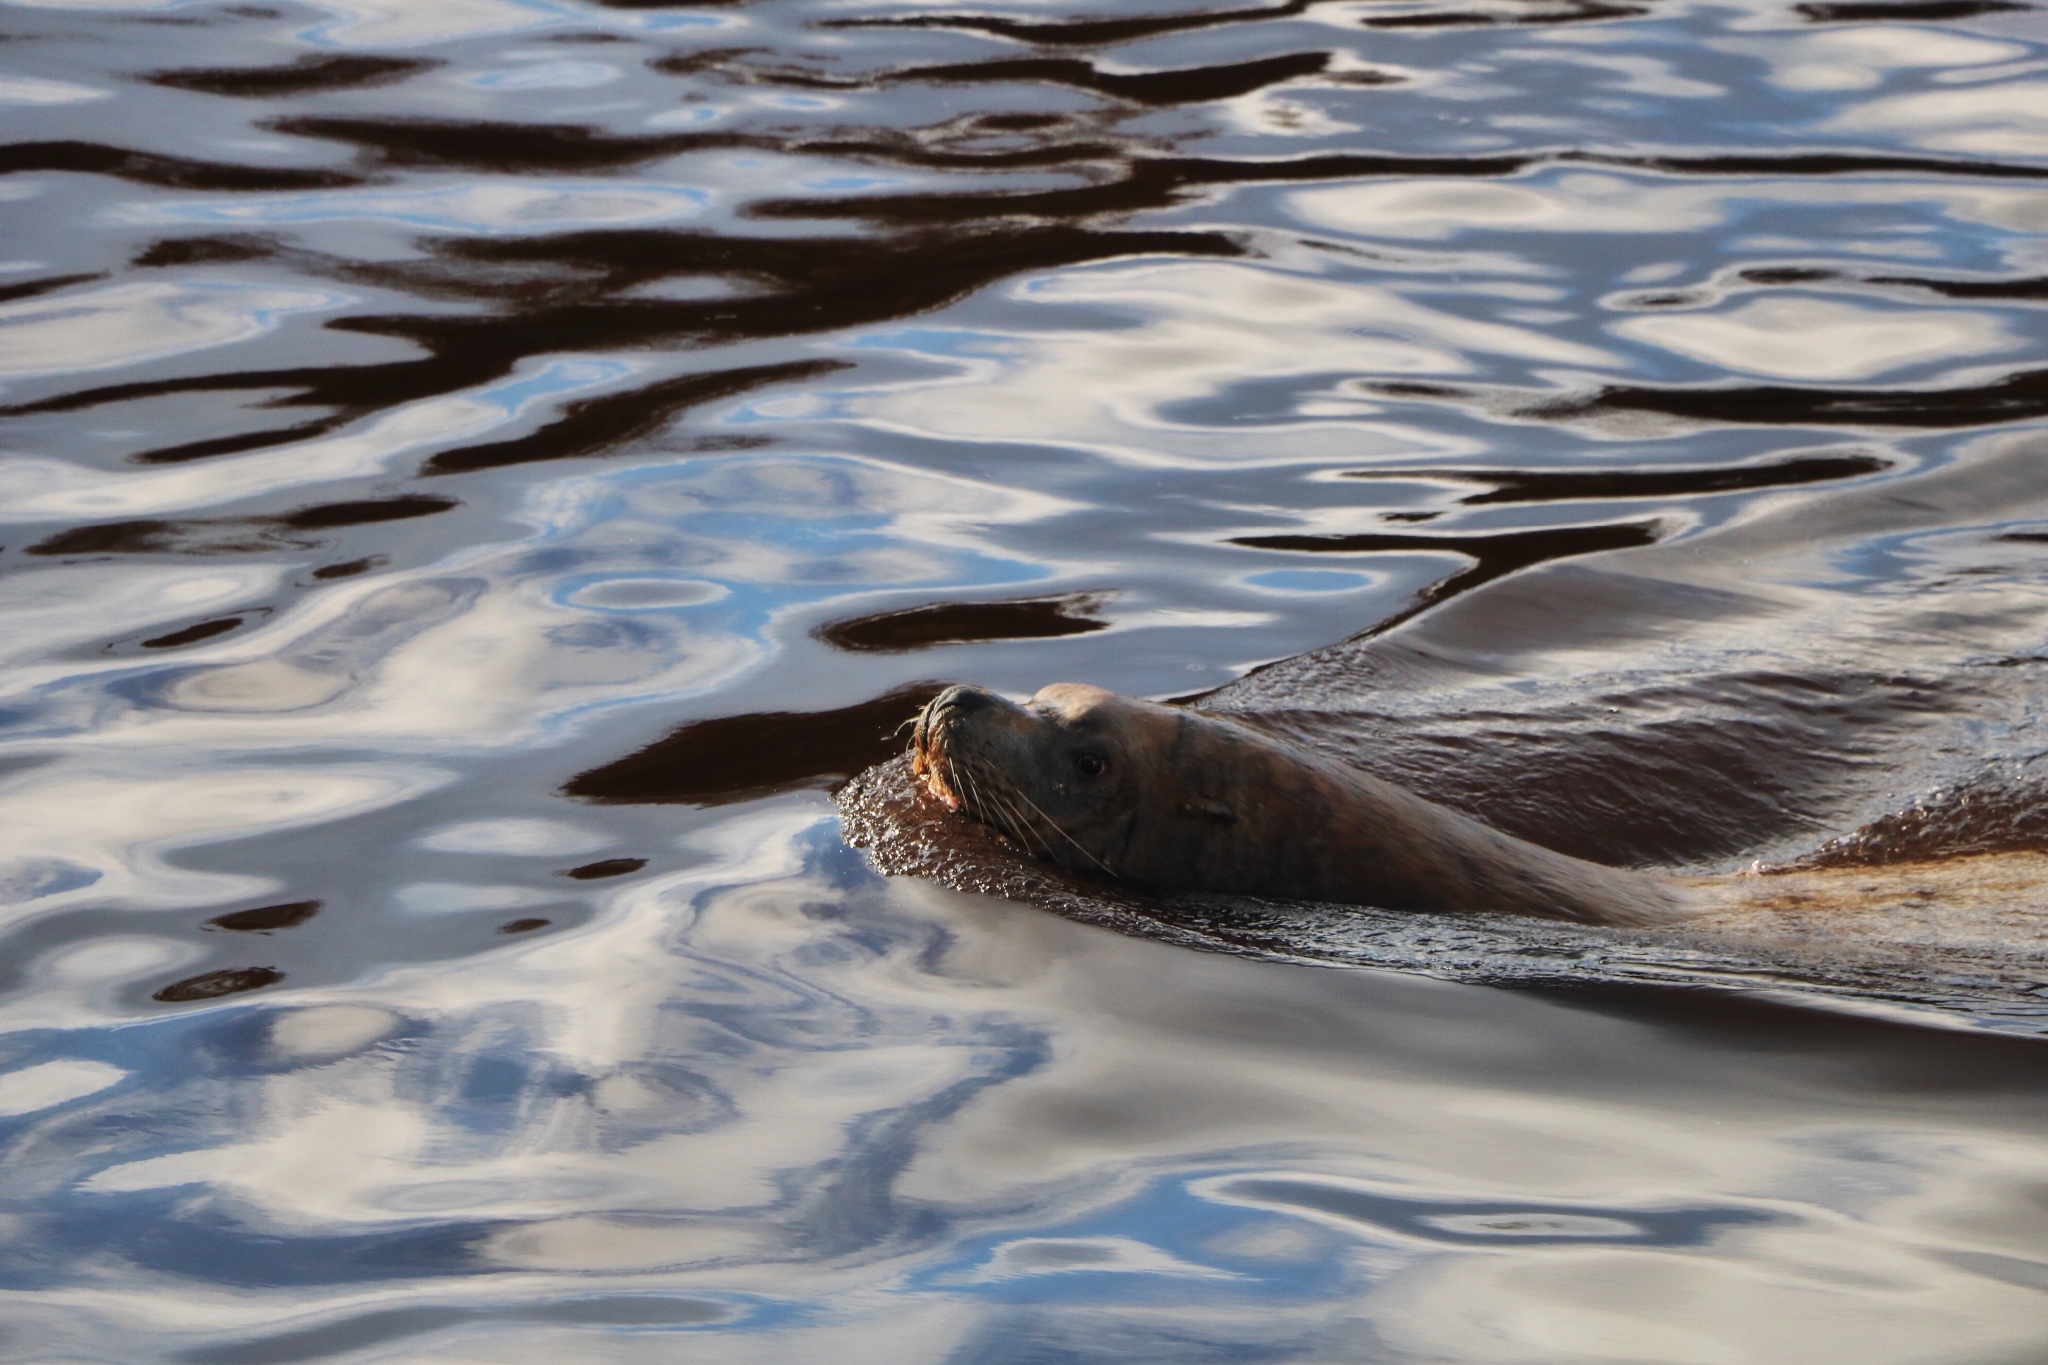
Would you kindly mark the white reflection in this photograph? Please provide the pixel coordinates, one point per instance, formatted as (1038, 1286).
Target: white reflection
(1639, 74)
(1292, 581)
(1994, 120)
(124, 823)
(1190, 617)
(93, 982)
(409, 23)
(1579, 202)
(1510, 1226)
(545, 76)
(56, 490)
(2018, 210)
(1805, 338)
(1895, 248)
(126, 324)
(1065, 1255)
(112, 958)
(1975, 74)
(1145, 1065)
(1822, 1295)
(646, 593)
(328, 1030)
(1586, 201)
(419, 661)
(495, 652)
(1197, 330)
(908, 525)
(359, 1142)
(530, 838)
(1269, 114)
(490, 673)
(581, 1244)
(313, 667)
(44, 610)
(36, 90)
(689, 116)
(52, 1083)
(452, 897)
(260, 685)
(1857, 58)
(479, 206)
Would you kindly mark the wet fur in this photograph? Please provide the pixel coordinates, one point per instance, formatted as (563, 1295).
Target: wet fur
(1190, 801)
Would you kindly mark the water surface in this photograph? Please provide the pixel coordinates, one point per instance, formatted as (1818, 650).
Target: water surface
(477, 475)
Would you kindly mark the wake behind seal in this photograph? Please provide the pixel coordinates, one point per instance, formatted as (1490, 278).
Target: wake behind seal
(1179, 800)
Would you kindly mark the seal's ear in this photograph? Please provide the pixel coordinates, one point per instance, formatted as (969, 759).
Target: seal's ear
(1210, 809)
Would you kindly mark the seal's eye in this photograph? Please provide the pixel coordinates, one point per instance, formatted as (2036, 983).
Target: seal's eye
(1090, 765)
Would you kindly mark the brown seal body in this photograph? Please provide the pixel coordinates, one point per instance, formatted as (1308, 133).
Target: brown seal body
(1176, 799)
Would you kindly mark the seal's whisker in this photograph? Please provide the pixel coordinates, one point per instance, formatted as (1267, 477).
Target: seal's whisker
(971, 789)
(1015, 818)
(1034, 843)
(975, 805)
(989, 807)
(994, 809)
(999, 812)
(1064, 835)
(962, 774)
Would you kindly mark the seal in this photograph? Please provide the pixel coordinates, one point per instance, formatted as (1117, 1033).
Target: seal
(1181, 800)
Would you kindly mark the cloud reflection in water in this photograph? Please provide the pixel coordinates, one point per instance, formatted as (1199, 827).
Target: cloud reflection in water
(481, 438)
(812, 1104)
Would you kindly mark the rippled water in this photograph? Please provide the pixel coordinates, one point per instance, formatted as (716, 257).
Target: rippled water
(478, 474)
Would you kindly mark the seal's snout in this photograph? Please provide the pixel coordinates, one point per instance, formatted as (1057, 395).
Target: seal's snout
(941, 714)
(937, 726)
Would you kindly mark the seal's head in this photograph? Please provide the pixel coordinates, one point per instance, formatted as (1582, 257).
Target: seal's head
(1174, 798)
(1059, 776)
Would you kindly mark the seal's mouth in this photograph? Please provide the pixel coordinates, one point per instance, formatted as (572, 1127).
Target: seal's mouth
(932, 744)
(957, 749)
(928, 761)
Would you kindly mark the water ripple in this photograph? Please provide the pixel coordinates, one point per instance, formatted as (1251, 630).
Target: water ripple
(480, 475)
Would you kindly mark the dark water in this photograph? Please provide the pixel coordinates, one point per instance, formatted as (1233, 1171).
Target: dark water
(478, 473)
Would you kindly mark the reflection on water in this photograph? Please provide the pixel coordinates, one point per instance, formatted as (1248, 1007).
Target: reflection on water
(478, 473)
(808, 1107)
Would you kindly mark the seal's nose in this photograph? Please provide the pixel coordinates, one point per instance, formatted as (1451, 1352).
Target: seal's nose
(950, 705)
(960, 699)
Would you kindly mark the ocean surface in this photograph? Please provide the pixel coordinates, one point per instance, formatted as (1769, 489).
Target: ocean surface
(483, 483)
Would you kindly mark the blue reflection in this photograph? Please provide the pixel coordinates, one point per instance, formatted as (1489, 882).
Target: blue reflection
(931, 341)
(1169, 1243)
(749, 540)
(1310, 580)
(364, 23)
(546, 76)
(33, 878)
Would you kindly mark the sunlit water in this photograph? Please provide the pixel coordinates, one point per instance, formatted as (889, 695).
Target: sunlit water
(477, 474)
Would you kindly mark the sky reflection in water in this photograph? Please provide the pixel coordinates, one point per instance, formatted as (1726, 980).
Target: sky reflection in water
(410, 407)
